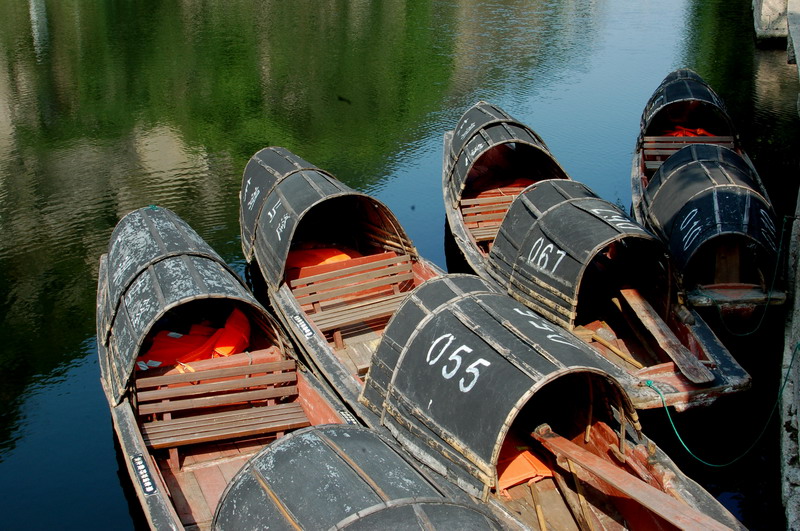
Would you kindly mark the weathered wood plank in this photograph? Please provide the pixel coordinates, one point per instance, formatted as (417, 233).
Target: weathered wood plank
(187, 496)
(212, 484)
(386, 275)
(207, 428)
(148, 382)
(215, 387)
(336, 273)
(686, 362)
(372, 309)
(678, 513)
(220, 417)
(230, 398)
(490, 216)
(468, 204)
(688, 139)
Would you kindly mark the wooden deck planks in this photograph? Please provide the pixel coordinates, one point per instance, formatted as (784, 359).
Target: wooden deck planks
(207, 428)
(677, 512)
(351, 294)
(212, 484)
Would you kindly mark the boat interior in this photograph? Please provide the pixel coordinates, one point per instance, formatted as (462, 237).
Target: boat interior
(497, 177)
(729, 261)
(551, 486)
(349, 268)
(203, 414)
(679, 124)
(625, 312)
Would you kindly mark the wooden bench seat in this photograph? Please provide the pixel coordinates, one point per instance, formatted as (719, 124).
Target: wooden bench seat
(212, 404)
(657, 149)
(484, 214)
(224, 425)
(360, 289)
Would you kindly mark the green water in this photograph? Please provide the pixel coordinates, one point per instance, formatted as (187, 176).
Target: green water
(109, 106)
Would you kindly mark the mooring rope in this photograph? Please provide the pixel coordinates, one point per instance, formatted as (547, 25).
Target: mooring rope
(650, 384)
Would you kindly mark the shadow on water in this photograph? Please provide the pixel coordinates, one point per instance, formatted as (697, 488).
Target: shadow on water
(135, 510)
(731, 429)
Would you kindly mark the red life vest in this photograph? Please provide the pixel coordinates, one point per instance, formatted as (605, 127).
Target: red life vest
(202, 342)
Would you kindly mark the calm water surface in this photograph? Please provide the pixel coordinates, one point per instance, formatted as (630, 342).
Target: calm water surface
(109, 106)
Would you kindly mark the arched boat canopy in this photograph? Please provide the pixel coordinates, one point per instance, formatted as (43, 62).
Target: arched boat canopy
(337, 477)
(457, 366)
(155, 262)
(705, 191)
(551, 234)
(684, 98)
(262, 173)
(280, 191)
(481, 129)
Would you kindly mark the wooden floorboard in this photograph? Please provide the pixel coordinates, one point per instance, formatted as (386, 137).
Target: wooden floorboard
(230, 468)
(193, 507)
(212, 484)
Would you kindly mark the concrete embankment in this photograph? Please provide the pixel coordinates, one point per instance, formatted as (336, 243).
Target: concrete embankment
(769, 18)
(790, 451)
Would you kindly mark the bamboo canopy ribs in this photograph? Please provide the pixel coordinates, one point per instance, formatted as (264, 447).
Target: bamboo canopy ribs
(488, 160)
(335, 264)
(695, 188)
(369, 484)
(197, 374)
(581, 262)
(521, 414)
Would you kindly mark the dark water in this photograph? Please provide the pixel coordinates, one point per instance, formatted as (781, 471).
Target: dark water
(109, 106)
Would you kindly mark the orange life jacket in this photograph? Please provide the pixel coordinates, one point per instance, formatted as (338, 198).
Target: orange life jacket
(318, 256)
(686, 131)
(517, 464)
(202, 342)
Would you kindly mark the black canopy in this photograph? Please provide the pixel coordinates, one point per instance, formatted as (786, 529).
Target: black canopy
(551, 234)
(705, 191)
(456, 366)
(340, 476)
(483, 127)
(279, 190)
(701, 106)
(155, 262)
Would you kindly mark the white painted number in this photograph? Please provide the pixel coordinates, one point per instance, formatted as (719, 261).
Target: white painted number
(768, 228)
(449, 372)
(434, 360)
(473, 370)
(541, 324)
(616, 218)
(540, 255)
(690, 227)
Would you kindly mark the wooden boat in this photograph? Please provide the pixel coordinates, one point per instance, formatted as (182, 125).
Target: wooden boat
(367, 483)
(335, 264)
(522, 415)
(581, 262)
(707, 203)
(489, 159)
(197, 374)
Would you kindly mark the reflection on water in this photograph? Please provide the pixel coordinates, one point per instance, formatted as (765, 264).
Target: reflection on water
(109, 106)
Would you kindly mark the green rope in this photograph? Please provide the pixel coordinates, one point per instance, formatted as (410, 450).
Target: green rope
(650, 384)
(769, 293)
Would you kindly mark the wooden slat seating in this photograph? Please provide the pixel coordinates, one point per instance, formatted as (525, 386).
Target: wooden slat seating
(209, 405)
(657, 149)
(353, 291)
(484, 214)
